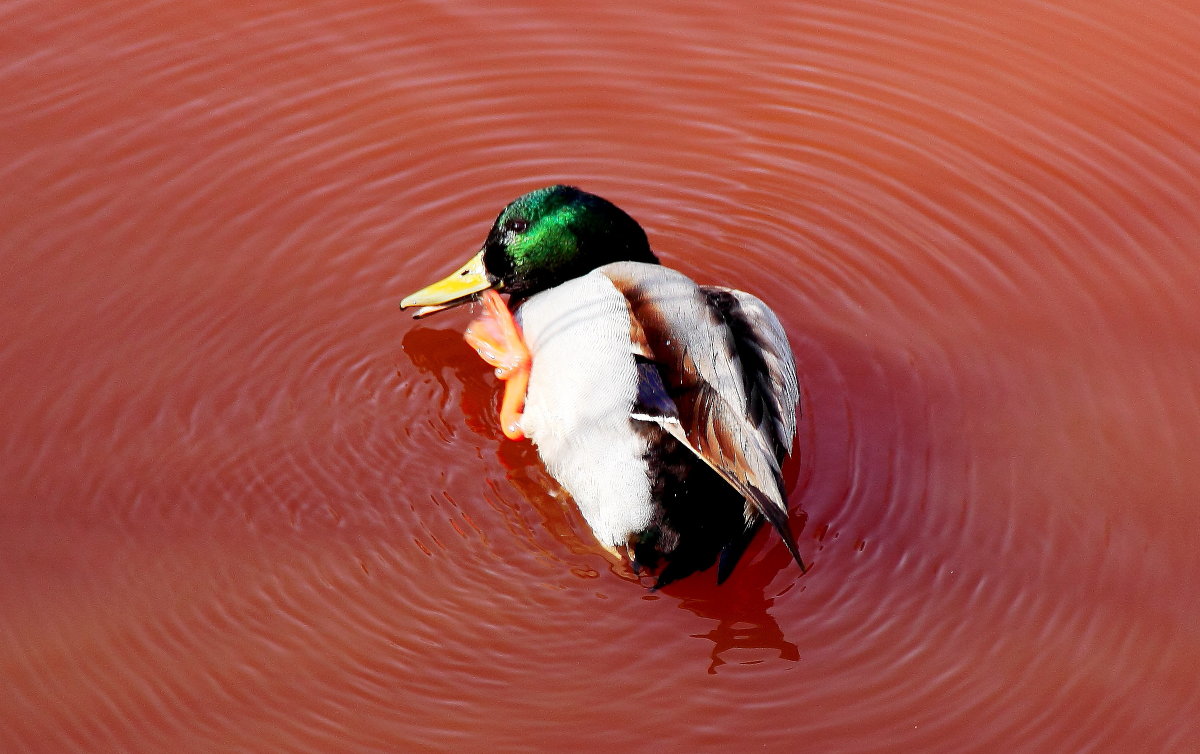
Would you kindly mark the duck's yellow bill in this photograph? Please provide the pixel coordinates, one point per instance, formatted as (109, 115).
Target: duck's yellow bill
(456, 288)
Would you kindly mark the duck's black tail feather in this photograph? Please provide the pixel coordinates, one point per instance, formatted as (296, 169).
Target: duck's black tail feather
(732, 552)
(779, 519)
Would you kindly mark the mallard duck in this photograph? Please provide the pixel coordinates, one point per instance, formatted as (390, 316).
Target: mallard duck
(663, 407)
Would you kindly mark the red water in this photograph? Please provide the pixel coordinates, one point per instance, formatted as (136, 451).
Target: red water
(248, 505)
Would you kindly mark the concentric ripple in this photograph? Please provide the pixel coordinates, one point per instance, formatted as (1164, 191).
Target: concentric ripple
(249, 505)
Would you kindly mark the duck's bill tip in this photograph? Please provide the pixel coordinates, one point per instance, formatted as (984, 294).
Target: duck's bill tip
(460, 287)
(425, 311)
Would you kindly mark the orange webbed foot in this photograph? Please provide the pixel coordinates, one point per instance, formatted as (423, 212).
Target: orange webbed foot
(497, 340)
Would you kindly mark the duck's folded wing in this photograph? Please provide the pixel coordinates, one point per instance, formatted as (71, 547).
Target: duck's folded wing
(768, 368)
(720, 360)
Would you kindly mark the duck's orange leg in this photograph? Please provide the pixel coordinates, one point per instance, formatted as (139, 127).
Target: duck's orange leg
(496, 339)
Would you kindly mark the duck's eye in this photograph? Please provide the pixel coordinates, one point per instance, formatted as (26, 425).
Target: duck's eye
(517, 225)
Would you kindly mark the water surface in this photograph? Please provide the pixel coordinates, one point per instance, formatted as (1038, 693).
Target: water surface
(248, 505)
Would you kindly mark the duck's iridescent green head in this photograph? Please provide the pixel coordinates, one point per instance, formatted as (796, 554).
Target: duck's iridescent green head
(557, 233)
(542, 239)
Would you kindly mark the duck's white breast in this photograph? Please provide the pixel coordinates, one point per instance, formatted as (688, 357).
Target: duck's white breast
(581, 387)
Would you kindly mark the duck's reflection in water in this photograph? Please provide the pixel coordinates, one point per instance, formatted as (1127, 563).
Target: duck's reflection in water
(745, 632)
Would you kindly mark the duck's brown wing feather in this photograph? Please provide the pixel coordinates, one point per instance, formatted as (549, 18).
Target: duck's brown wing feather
(723, 363)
